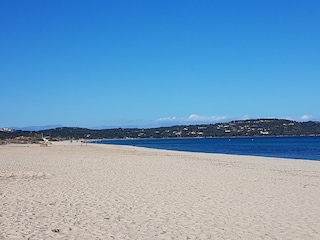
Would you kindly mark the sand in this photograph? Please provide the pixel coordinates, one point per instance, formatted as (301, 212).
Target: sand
(68, 191)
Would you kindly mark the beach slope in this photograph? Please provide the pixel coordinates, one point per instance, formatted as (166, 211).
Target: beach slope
(69, 191)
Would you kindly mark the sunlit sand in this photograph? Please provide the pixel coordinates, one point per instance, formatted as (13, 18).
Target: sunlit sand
(69, 191)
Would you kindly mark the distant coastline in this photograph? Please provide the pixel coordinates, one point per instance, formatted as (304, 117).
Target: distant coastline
(239, 128)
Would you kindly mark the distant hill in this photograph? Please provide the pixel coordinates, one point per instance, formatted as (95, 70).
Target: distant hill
(240, 128)
(36, 128)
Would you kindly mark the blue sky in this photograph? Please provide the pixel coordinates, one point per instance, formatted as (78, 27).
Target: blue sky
(155, 63)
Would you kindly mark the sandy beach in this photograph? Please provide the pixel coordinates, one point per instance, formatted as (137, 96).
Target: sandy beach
(69, 191)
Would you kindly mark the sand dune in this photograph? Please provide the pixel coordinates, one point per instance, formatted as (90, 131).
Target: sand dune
(68, 191)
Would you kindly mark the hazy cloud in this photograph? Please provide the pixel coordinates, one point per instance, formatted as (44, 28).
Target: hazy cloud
(246, 116)
(192, 119)
(167, 119)
(197, 118)
(306, 117)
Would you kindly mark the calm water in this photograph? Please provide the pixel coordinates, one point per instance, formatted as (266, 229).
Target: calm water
(283, 147)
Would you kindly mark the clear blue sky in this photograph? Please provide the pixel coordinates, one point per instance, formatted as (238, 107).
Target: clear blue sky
(148, 63)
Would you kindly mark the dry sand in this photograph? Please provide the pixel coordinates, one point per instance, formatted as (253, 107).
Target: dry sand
(66, 191)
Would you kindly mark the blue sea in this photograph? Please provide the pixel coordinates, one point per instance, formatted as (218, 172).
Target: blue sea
(280, 147)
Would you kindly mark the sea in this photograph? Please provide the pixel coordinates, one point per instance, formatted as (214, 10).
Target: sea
(304, 148)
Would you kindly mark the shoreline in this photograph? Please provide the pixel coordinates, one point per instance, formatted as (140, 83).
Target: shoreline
(165, 144)
(65, 191)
